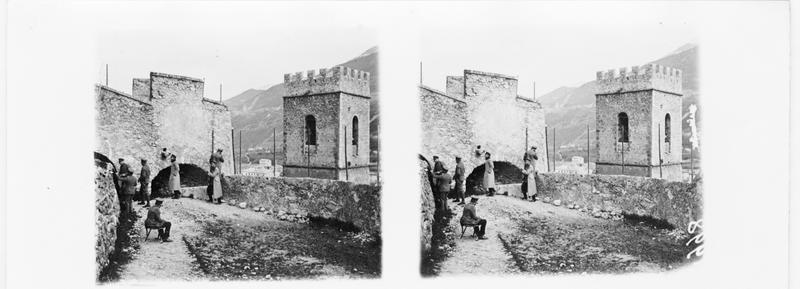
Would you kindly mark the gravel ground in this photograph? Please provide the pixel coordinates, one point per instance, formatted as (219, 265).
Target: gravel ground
(546, 239)
(222, 242)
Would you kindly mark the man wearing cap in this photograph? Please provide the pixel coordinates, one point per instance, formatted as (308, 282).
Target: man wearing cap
(443, 180)
(470, 218)
(529, 170)
(216, 159)
(144, 184)
(123, 171)
(530, 156)
(459, 177)
(154, 221)
(128, 185)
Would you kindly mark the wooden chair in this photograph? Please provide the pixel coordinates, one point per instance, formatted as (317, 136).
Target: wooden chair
(148, 229)
(464, 228)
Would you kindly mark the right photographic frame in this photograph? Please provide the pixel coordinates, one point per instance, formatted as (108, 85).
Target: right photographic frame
(575, 150)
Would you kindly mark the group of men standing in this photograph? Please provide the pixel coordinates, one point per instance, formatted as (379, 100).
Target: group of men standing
(127, 183)
(469, 216)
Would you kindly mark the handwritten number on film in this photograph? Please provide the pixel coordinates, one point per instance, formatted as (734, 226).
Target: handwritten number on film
(696, 226)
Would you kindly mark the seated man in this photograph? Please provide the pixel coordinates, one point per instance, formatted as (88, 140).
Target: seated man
(470, 218)
(154, 221)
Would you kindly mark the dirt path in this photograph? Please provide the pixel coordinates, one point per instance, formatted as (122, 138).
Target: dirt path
(474, 256)
(547, 238)
(172, 261)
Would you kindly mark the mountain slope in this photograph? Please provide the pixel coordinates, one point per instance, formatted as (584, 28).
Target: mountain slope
(256, 112)
(570, 109)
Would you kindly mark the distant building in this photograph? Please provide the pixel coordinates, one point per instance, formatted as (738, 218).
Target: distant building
(577, 160)
(638, 115)
(264, 168)
(326, 125)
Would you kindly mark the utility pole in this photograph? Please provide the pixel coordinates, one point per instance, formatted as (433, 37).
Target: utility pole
(555, 151)
(346, 166)
(274, 154)
(534, 90)
(106, 74)
(547, 148)
(420, 73)
(233, 150)
(588, 151)
(240, 151)
(660, 160)
(220, 93)
(526, 139)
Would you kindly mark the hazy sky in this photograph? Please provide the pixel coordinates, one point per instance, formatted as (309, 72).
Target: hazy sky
(554, 47)
(241, 47)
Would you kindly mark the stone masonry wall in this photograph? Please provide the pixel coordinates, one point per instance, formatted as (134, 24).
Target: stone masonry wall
(176, 117)
(323, 108)
(445, 132)
(358, 204)
(106, 217)
(185, 120)
(487, 111)
(428, 210)
(350, 106)
(125, 128)
(636, 105)
(675, 202)
(664, 103)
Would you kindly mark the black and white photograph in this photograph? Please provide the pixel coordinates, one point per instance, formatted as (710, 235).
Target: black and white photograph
(399, 144)
(540, 158)
(222, 157)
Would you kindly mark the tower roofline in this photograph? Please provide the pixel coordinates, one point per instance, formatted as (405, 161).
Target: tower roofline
(638, 78)
(336, 79)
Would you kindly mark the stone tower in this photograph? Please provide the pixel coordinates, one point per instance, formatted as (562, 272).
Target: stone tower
(638, 113)
(326, 124)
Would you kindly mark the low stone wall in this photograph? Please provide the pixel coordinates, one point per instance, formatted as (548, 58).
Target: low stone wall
(428, 210)
(106, 217)
(675, 202)
(357, 204)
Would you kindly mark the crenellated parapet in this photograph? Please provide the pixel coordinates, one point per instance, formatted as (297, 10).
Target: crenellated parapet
(333, 80)
(637, 78)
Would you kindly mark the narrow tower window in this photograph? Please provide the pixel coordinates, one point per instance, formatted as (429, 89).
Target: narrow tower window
(667, 128)
(622, 127)
(355, 130)
(311, 130)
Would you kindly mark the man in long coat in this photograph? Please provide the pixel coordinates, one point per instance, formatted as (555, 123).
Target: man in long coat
(488, 175)
(469, 217)
(216, 184)
(175, 178)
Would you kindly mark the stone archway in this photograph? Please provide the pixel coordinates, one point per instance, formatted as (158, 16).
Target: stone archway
(103, 160)
(504, 173)
(191, 176)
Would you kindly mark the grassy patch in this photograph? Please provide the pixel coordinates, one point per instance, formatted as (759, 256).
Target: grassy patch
(545, 246)
(227, 250)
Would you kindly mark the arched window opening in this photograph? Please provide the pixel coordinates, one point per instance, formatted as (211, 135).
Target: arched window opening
(667, 128)
(311, 130)
(622, 127)
(355, 131)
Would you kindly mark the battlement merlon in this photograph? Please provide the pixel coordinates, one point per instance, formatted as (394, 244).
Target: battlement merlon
(637, 78)
(333, 80)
